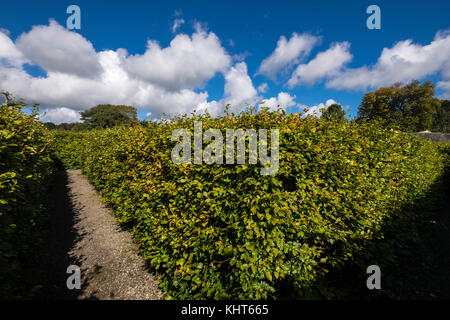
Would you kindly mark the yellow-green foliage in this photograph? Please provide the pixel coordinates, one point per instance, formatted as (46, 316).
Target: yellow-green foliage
(25, 168)
(225, 231)
(65, 147)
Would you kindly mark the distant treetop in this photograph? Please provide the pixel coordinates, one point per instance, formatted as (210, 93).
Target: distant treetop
(106, 116)
(411, 107)
(334, 113)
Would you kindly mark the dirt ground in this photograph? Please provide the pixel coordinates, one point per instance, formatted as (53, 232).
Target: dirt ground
(83, 232)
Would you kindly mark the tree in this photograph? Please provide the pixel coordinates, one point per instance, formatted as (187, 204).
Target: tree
(50, 125)
(441, 122)
(107, 116)
(334, 113)
(410, 107)
(66, 126)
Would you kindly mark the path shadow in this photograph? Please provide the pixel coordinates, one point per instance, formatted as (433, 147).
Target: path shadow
(46, 273)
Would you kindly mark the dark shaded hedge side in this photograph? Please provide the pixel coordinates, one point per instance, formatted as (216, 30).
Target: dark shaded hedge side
(25, 172)
(226, 232)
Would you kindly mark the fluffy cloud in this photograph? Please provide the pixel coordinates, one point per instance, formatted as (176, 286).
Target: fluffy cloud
(283, 100)
(9, 54)
(325, 64)
(5, 31)
(444, 85)
(177, 24)
(56, 49)
(60, 115)
(187, 63)
(403, 62)
(162, 80)
(263, 87)
(239, 88)
(287, 53)
(240, 92)
(71, 88)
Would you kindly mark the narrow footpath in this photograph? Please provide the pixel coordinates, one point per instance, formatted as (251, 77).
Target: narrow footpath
(84, 233)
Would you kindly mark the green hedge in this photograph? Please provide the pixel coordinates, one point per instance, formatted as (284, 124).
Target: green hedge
(65, 148)
(225, 231)
(25, 172)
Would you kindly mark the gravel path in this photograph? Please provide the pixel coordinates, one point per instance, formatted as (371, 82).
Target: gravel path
(85, 233)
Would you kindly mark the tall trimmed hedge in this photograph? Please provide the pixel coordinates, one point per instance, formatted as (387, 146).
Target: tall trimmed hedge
(65, 148)
(225, 231)
(25, 172)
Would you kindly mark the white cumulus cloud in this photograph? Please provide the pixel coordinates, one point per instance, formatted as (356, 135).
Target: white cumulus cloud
(76, 89)
(177, 24)
(239, 87)
(444, 85)
(239, 92)
(287, 53)
(9, 54)
(188, 62)
(283, 100)
(57, 49)
(60, 115)
(403, 62)
(325, 64)
(263, 87)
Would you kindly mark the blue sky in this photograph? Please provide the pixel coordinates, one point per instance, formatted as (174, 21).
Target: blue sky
(232, 41)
